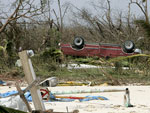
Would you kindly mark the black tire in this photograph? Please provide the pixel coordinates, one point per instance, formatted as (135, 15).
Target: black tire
(78, 42)
(107, 57)
(128, 46)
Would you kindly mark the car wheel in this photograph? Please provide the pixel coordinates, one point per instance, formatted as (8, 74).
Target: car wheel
(128, 46)
(78, 42)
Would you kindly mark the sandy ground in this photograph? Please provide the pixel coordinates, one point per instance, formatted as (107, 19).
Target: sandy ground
(139, 98)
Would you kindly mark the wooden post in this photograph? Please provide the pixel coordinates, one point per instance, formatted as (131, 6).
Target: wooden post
(30, 77)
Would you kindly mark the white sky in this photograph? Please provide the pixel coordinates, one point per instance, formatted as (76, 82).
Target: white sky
(116, 5)
(119, 5)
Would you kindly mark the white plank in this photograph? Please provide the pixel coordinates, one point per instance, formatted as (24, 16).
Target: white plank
(30, 77)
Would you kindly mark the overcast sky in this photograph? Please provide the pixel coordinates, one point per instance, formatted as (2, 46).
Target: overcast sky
(116, 5)
(119, 5)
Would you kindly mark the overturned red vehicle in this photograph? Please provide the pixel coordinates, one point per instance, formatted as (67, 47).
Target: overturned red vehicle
(80, 48)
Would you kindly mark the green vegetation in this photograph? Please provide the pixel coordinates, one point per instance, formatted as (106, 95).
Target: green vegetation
(135, 71)
(9, 110)
(32, 27)
(131, 69)
(49, 63)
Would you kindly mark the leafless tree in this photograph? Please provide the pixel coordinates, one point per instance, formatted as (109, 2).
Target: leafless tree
(143, 5)
(61, 16)
(55, 22)
(107, 25)
(23, 9)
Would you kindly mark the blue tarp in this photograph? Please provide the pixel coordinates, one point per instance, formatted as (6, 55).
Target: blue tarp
(3, 95)
(28, 96)
(2, 82)
(52, 97)
(89, 97)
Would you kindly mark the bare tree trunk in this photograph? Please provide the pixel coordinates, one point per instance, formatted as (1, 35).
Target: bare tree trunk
(108, 15)
(146, 11)
(49, 11)
(61, 18)
(128, 19)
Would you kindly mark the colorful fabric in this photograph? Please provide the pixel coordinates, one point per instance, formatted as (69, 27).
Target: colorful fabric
(53, 98)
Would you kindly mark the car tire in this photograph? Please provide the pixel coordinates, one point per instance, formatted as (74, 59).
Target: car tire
(128, 46)
(78, 42)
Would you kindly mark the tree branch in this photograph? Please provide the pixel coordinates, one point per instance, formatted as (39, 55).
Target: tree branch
(11, 17)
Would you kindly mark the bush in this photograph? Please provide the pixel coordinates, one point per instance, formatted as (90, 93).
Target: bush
(52, 53)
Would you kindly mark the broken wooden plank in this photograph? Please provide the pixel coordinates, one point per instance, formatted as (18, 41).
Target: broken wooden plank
(28, 87)
(34, 83)
(30, 77)
(23, 97)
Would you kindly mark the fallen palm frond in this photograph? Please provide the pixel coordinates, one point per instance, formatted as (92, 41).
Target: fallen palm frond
(9, 110)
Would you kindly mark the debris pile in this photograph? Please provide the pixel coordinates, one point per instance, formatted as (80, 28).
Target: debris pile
(19, 100)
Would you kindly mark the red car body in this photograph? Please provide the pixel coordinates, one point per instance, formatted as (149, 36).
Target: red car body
(100, 50)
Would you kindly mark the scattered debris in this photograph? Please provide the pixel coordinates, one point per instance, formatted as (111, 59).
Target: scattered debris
(104, 84)
(18, 63)
(46, 94)
(22, 104)
(14, 102)
(2, 83)
(81, 99)
(7, 94)
(50, 82)
(14, 93)
(74, 83)
(49, 96)
(88, 91)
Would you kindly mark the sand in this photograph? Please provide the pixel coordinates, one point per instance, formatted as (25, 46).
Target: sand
(139, 97)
